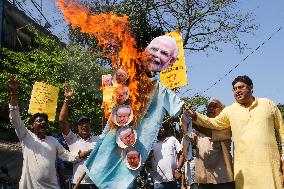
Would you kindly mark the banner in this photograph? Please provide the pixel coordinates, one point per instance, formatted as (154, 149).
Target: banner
(108, 90)
(175, 75)
(44, 100)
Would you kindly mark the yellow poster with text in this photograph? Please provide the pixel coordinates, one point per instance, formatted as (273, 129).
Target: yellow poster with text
(44, 100)
(175, 75)
(108, 91)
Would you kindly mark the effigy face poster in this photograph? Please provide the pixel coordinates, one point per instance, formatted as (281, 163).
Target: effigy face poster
(175, 75)
(107, 80)
(44, 100)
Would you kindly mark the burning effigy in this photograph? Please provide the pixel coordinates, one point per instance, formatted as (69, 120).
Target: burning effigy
(140, 101)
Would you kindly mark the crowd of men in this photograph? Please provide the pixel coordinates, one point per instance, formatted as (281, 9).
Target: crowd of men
(250, 121)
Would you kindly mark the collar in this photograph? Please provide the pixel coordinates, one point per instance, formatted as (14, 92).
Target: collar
(254, 103)
(78, 136)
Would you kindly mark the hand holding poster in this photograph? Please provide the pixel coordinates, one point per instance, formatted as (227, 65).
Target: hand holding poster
(44, 99)
(175, 75)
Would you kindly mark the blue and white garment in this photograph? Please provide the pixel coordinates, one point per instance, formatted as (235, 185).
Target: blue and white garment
(106, 166)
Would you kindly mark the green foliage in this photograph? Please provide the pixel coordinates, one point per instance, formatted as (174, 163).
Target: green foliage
(52, 63)
(199, 103)
(281, 108)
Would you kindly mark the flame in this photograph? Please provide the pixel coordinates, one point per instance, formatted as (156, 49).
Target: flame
(115, 37)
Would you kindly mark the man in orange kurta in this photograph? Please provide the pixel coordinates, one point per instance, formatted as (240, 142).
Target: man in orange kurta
(253, 121)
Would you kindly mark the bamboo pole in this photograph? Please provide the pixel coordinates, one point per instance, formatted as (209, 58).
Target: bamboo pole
(79, 181)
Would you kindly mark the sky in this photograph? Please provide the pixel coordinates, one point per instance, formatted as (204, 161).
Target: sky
(265, 67)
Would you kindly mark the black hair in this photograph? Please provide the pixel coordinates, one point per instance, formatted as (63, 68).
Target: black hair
(130, 149)
(43, 115)
(243, 78)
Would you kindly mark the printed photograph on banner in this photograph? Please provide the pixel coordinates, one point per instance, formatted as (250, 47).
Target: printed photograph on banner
(126, 137)
(132, 158)
(108, 92)
(122, 115)
(107, 80)
(121, 94)
(44, 100)
(160, 54)
(121, 76)
(175, 76)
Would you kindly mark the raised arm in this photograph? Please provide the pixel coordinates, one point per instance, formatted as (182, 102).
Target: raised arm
(14, 113)
(13, 86)
(64, 113)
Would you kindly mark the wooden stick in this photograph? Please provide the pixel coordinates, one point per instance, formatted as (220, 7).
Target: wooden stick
(182, 180)
(79, 181)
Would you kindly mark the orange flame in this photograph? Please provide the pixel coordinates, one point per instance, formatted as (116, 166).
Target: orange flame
(113, 35)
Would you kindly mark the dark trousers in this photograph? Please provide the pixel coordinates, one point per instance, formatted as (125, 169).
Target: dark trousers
(228, 185)
(86, 186)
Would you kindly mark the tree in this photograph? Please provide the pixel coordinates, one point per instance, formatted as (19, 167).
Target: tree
(205, 24)
(198, 103)
(281, 108)
(52, 63)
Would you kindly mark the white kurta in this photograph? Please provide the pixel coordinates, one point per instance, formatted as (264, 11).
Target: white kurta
(165, 159)
(39, 156)
(76, 143)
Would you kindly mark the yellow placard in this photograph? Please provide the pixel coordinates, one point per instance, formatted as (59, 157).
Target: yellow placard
(44, 100)
(108, 93)
(108, 90)
(175, 75)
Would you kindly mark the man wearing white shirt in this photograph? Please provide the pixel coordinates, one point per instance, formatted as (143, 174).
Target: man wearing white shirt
(166, 161)
(82, 141)
(39, 151)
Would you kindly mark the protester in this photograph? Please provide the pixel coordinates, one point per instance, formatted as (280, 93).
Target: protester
(167, 161)
(253, 122)
(59, 164)
(82, 141)
(39, 150)
(213, 163)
